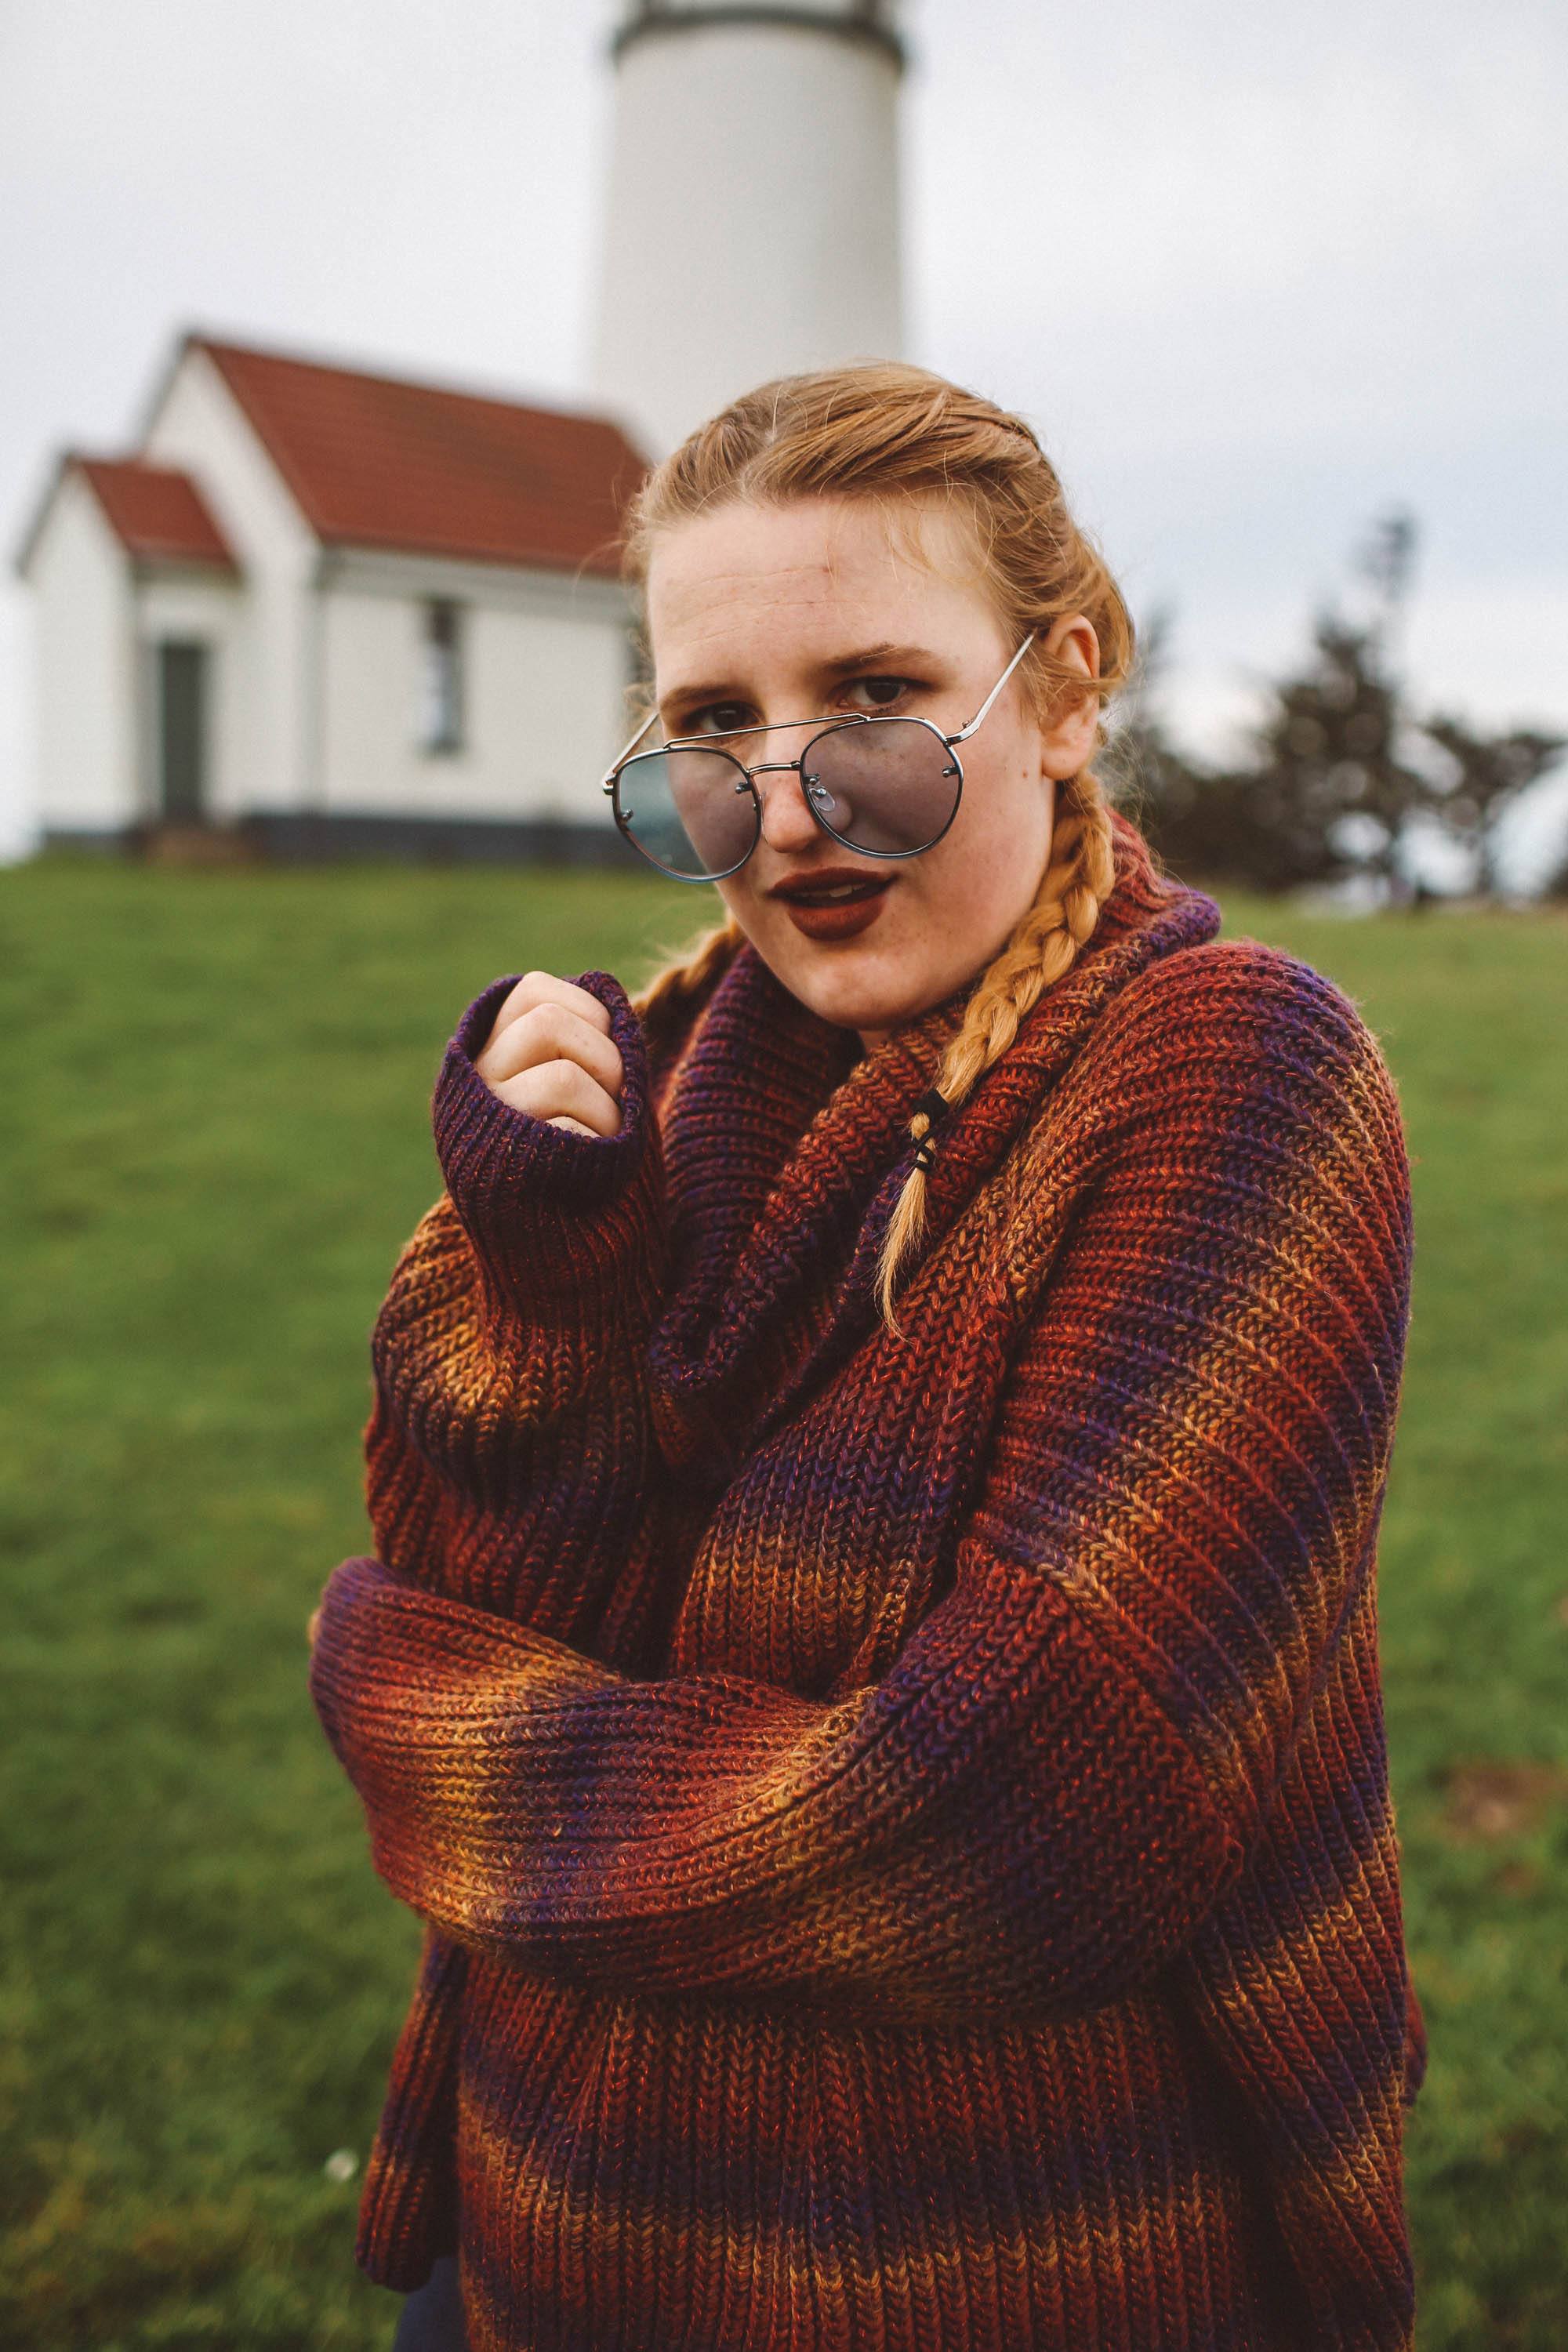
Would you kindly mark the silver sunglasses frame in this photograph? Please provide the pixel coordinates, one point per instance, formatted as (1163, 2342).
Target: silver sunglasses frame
(782, 766)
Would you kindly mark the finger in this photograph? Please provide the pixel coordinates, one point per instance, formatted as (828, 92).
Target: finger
(544, 988)
(312, 1627)
(552, 1089)
(547, 1032)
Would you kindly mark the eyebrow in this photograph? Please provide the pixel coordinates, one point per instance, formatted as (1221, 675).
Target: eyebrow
(692, 697)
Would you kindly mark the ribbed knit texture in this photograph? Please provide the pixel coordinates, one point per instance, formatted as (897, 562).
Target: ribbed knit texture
(903, 1823)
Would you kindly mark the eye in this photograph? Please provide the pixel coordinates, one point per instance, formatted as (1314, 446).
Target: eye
(717, 718)
(879, 693)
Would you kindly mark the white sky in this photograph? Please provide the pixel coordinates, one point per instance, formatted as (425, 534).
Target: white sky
(1255, 274)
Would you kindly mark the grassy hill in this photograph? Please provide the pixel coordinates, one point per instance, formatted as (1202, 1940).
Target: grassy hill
(216, 1085)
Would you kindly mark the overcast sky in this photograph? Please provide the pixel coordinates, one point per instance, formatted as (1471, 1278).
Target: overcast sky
(1256, 275)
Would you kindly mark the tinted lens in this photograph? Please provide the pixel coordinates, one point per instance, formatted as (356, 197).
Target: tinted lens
(692, 811)
(888, 784)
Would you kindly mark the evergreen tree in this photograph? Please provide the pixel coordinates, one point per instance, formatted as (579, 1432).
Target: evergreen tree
(1337, 773)
(1325, 750)
(1330, 749)
(1487, 774)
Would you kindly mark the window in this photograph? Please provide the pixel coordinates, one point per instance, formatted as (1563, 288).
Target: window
(441, 679)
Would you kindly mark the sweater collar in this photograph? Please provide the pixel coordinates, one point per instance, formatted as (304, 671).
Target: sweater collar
(786, 1149)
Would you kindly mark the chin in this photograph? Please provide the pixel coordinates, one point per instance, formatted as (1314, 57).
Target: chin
(846, 1000)
(877, 984)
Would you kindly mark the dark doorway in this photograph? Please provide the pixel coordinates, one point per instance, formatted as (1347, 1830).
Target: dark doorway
(181, 731)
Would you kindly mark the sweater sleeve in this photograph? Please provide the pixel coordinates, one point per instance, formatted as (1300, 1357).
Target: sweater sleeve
(509, 1455)
(1065, 1766)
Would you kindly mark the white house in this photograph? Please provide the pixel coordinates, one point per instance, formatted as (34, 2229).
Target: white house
(329, 613)
(336, 612)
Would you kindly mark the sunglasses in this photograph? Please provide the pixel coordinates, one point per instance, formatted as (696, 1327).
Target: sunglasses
(886, 787)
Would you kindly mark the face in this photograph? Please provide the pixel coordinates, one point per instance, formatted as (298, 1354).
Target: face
(760, 616)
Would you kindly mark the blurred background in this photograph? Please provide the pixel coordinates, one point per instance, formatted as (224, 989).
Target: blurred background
(338, 335)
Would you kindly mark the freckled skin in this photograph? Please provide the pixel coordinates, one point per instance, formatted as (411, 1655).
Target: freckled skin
(761, 602)
(752, 613)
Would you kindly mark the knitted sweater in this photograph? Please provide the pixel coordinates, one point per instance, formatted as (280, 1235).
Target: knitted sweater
(902, 1823)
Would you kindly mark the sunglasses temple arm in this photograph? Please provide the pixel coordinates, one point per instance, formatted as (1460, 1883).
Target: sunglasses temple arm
(626, 750)
(964, 733)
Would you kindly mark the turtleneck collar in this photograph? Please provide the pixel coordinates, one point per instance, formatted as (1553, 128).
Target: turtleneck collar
(787, 1147)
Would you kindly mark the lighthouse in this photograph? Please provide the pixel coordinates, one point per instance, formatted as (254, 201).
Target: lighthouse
(752, 227)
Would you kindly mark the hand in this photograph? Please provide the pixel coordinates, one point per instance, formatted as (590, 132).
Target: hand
(550, 1052)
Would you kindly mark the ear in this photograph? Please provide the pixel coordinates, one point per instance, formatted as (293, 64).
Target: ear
(1067, 739)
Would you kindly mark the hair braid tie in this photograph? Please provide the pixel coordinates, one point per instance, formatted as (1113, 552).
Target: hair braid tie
(932, 1106)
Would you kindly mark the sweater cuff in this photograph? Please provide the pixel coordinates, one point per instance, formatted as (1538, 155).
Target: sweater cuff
(545, 1197)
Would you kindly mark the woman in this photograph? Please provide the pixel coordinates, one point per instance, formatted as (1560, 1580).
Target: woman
(870, 1672)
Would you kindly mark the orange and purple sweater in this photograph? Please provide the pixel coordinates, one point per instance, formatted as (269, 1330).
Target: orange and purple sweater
(902, 1824)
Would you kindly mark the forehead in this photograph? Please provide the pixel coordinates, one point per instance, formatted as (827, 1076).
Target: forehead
(803, 572)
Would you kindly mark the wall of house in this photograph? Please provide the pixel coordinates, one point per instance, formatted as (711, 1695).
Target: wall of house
(545, 661)
(268, 680)
(85, 669)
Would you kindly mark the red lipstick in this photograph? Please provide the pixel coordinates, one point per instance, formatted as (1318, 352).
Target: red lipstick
(833, 901)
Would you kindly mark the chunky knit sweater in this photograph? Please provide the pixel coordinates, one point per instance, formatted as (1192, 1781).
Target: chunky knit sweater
(902, 1823)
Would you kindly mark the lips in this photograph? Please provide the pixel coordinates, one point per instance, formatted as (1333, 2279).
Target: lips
(840, 918)
(818, 880)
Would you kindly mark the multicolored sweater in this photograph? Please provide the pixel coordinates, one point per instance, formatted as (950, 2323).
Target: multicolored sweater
(902, 1823)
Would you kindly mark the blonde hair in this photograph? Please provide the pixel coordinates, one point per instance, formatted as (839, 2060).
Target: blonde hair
(888, 433)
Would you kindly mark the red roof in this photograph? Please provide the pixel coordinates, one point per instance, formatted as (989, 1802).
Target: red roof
(159, 515)
(373, 461)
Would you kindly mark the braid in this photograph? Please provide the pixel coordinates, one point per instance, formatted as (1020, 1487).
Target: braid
(1076, 884)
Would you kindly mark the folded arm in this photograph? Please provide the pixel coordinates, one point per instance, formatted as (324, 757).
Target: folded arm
(509, 1452)
(1066, 1764)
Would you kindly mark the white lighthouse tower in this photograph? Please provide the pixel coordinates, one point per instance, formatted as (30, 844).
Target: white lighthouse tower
(754, 214)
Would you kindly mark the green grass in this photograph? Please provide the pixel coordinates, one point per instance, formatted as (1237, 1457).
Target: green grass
(219, 1084)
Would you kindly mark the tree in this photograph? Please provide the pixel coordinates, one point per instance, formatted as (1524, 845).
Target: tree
(1267, 827)
(1339, 769)
(1232, 826)
(1486, 774)
(1387, 562)
(1329, 751)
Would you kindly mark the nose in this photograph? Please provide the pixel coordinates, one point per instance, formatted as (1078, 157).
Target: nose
(788, 825)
